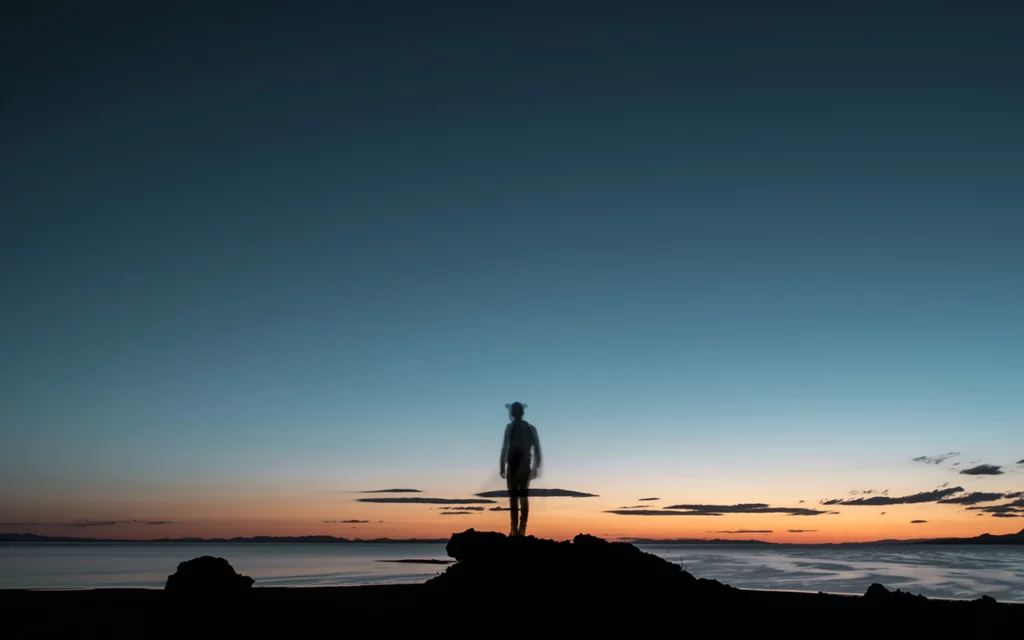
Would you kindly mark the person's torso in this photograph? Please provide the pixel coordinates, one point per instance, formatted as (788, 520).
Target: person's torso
(520, 442)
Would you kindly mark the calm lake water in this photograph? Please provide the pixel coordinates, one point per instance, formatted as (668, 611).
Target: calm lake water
(935, 571)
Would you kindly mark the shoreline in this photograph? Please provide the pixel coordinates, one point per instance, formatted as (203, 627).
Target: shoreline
(115, 590)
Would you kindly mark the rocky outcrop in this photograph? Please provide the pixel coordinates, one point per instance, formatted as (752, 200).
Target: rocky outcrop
(587, 573)
(207, 576)
(877, 595)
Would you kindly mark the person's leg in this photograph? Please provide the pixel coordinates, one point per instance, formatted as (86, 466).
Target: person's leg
(513, 504)
(524, 501)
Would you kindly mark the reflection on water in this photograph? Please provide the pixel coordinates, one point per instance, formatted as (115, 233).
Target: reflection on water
(81, 566)
(935, 571)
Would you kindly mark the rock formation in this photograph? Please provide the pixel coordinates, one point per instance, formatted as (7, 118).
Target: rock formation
(587, 574)
(207, 576)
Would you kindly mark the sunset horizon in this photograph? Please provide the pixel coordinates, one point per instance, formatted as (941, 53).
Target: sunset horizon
(964, 505)
(748, 271)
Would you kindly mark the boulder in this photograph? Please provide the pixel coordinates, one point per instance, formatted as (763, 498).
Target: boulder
(207, 576)
(877, 595)
(586, 574)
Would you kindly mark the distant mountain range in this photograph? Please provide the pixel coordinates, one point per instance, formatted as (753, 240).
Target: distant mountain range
(31, 537)
(983, 539)
(675, 541)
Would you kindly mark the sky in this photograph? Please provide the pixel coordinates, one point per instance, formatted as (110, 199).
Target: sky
(257, 261)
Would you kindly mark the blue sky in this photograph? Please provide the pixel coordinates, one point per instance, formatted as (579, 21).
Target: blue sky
(322, 249)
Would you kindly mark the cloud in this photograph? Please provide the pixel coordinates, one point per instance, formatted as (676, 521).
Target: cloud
(425, 500)
(801, 530)
(983, 470)
(1007, 515)
(718, 510)
(461, 508)
(635, 506)
(658, 512)
(800, 501)
(1015, 494)
(918, 522)
(455, 513)
(158, 522)
(651, 499)
(393, 491)
(756, 507)
(1012, 507)
(1020, 462)
(746, 531)
(540, 493)
(869, 492)
(972, 498)
(95, 523)
(939, 459)
(346, 521)
(499, 509)
(882, 514)
(916, 498)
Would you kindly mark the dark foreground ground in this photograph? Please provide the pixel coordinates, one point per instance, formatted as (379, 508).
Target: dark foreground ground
(498, 586)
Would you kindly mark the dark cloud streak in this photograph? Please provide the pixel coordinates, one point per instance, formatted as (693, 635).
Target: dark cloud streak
(939, 459)
(983, 470)
(1011, 507)
(659, 512)
(916, 498)
(754, 507)
(425, 500)
(972, 498)
(540, 493)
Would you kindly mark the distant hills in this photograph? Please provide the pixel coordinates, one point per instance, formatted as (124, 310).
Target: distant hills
(983, 539)
(31, 537)
(675, 541)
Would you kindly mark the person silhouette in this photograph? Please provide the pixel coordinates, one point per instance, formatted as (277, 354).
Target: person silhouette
(520, 463)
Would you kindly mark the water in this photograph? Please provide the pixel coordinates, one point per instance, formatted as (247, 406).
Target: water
(935, 571)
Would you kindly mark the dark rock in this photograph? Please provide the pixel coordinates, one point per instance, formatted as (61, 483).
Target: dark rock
(586, 574)
(985, 601)
(207, 576)
(876, 591)
(878, 595)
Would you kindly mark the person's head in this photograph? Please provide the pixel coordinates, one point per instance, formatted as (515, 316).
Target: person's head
(516, 410)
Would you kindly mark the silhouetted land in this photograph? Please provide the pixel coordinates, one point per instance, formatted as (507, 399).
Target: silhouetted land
(30, 537)
(587, 583)
(983, 539)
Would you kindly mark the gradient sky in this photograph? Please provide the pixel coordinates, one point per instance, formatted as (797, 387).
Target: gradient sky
(254, 260)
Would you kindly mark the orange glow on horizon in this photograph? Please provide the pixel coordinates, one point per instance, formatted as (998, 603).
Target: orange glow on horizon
(550, 518)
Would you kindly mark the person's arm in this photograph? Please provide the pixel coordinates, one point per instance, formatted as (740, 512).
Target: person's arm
(536, 448)
(504, 450)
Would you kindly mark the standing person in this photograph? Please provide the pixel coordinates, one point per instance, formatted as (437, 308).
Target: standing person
(520, 463)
